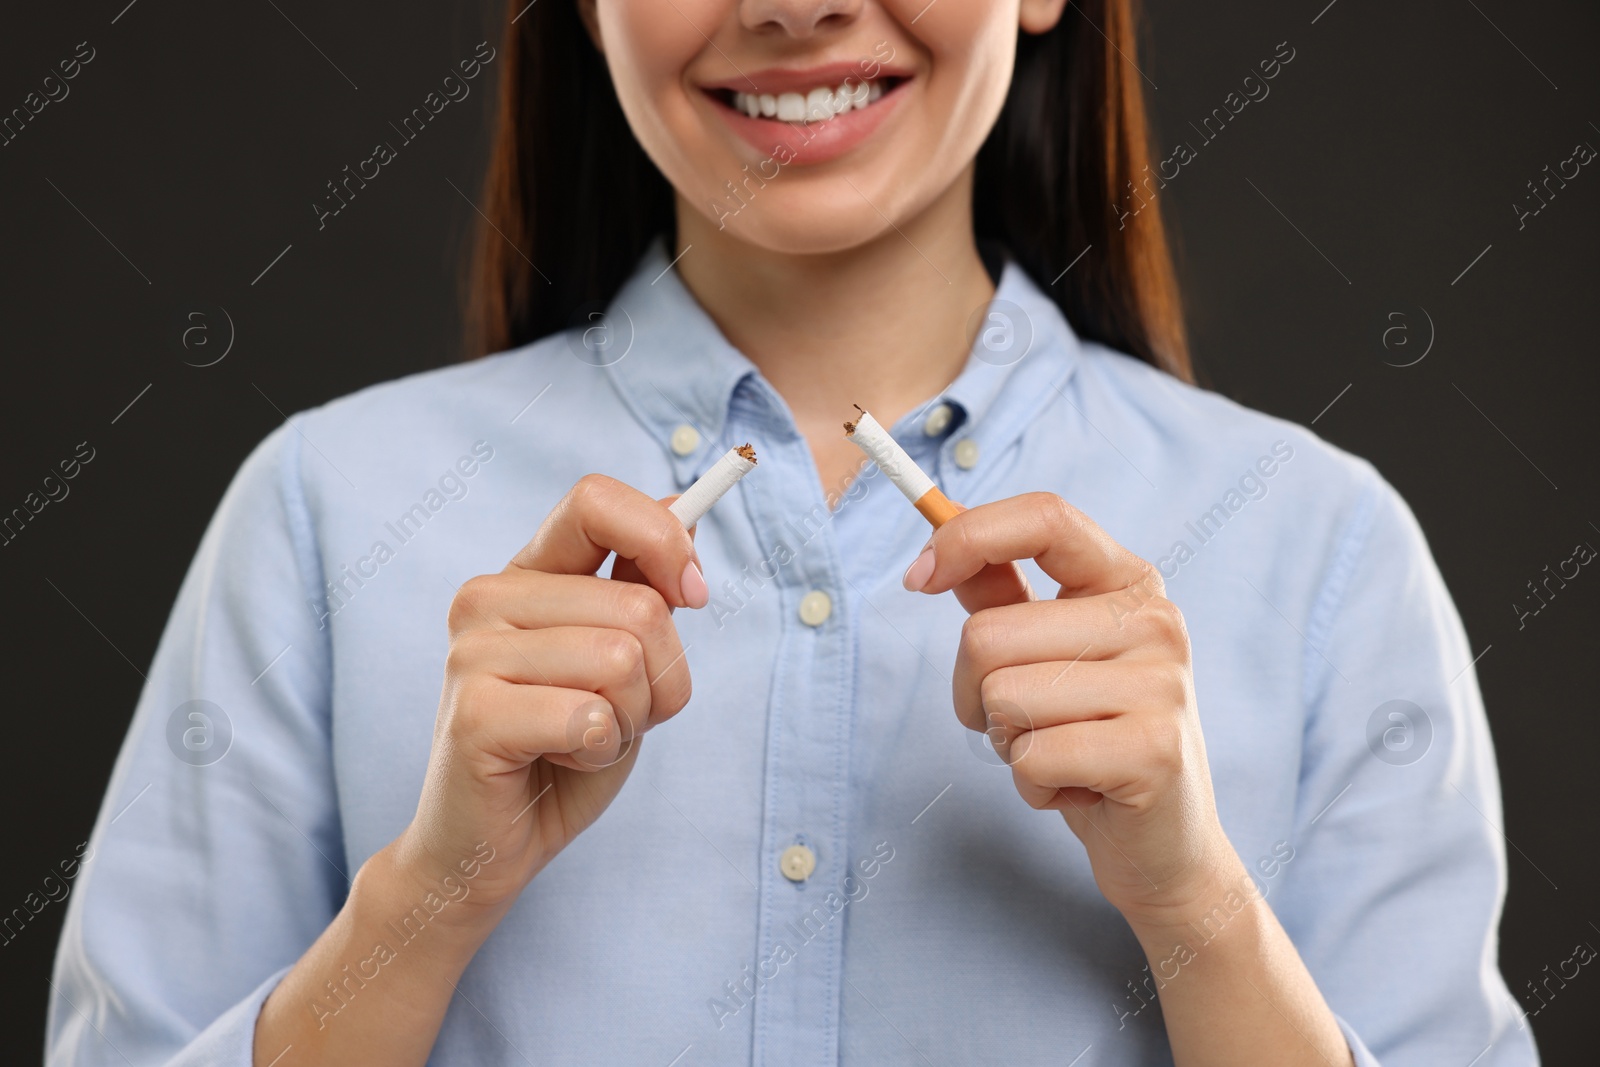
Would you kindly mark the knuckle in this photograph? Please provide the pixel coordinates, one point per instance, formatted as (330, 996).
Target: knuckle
(591, 724)
(470, 709)
(465, 610)
(640, 608)
(665, 537)
(1024, 752)
(1162, 738)
(1166, 619)
(960, 537)
(1024, 769)
(1150, 579)
(619, 654)
(981, 635)
(464, 654)
(1059, 516)
(454, 658)
(591, 487)
(994, 690)
(1000, 693)
(1174, 687)
(1034, 792)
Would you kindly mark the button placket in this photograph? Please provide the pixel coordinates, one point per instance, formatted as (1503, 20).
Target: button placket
(805, 815)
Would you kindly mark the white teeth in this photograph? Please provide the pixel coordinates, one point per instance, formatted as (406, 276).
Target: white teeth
(819, 105)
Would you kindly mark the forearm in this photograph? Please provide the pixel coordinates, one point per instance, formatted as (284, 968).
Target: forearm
(374, 988)
(1232, 987)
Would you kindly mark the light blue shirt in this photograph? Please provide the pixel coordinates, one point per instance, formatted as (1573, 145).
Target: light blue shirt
(945, 921)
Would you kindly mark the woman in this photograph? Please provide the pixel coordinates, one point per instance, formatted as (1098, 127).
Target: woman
(1242, 685)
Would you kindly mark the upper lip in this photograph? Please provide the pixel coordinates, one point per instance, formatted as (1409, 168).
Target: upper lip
(775, 80)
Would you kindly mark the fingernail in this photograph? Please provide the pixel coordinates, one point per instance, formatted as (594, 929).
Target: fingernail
(920, 571)
(695, 591)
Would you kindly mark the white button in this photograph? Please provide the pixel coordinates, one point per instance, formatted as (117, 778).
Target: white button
(797, 863)
(685, 439)
(937, 420)
(815, 607)
(966, 453)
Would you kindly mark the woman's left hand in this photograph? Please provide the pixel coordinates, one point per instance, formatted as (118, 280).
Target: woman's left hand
(1089, 697)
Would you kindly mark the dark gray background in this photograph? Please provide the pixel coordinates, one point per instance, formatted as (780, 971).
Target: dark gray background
(1383, 165)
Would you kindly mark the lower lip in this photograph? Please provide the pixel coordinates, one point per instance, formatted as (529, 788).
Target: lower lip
(812, 142)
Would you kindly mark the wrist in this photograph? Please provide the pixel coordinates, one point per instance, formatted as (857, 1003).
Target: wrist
(1216, 888)
(403, 892)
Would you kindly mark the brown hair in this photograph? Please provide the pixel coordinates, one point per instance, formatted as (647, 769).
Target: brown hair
(574, 201)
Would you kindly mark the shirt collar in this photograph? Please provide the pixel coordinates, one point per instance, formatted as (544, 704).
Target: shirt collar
(670, 363)
(673, 368)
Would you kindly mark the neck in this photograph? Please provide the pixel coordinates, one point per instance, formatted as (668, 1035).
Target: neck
(883, 324)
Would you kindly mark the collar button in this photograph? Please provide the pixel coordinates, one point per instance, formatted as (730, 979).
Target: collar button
(685, 439)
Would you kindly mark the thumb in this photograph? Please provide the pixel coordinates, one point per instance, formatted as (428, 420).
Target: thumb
(626, 570)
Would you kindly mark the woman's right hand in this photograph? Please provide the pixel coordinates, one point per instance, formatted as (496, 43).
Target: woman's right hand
(553, 674)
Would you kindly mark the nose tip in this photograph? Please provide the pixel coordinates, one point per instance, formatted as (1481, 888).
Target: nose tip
(798, 18)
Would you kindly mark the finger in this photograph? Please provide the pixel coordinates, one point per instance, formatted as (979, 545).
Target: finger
(627, 570)
(515, 724)
(601, 515)
(1035, 696)
(993, 585)
(593, 738)
(1063, 631)
(606, 663)
(1111, 757)
(533, 600)
(1065, 542)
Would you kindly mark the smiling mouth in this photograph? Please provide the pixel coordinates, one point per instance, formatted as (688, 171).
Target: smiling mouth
(821, 104)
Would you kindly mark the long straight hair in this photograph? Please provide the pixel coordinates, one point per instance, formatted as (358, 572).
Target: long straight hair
(574, 201)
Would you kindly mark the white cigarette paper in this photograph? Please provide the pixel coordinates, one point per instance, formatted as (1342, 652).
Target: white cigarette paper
(866, 434)
(902, 470)
(724, 474)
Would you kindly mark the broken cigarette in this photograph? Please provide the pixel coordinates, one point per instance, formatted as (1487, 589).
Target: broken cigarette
(865, 433)
(724, 474)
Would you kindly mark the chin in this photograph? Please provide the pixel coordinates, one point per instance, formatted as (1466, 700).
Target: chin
(803, 224)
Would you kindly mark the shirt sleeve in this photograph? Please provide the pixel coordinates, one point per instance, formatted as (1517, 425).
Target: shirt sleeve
(1394, 892)
(216, 858)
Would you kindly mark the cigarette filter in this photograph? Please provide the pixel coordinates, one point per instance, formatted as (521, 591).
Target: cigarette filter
(912, 480)
(724, 474)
